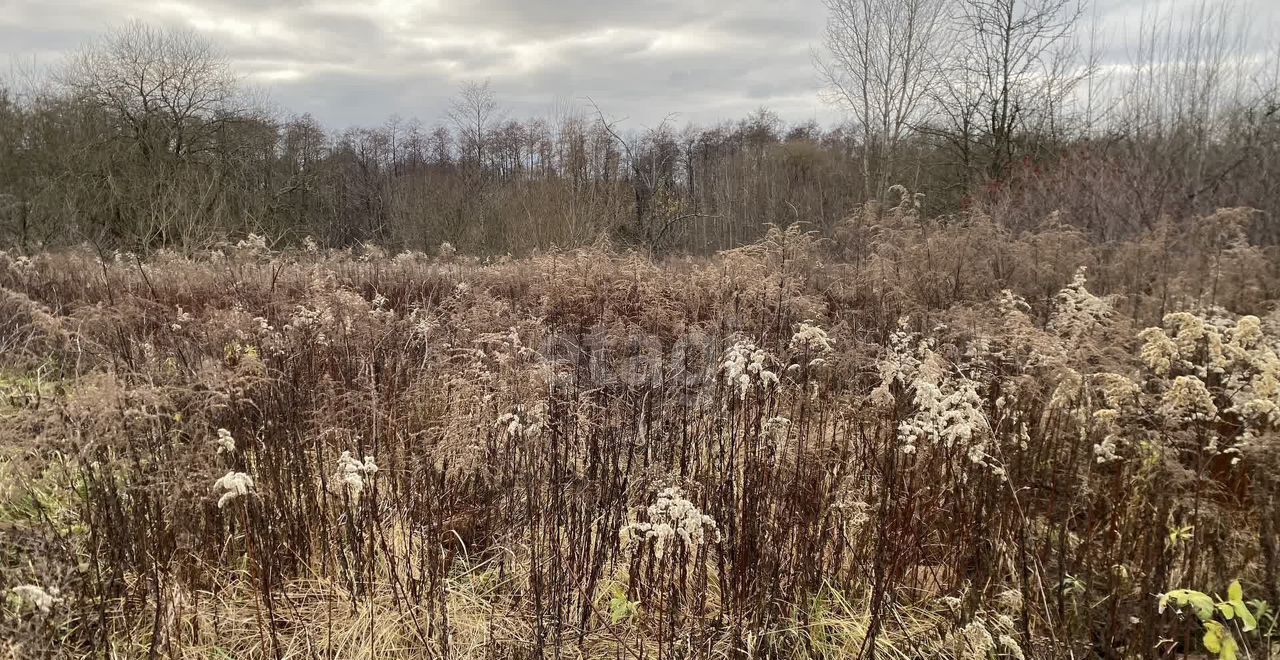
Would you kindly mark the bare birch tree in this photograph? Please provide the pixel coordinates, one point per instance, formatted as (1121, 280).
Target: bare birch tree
(881, 65)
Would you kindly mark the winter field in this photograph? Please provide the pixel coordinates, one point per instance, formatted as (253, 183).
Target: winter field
(913, 438)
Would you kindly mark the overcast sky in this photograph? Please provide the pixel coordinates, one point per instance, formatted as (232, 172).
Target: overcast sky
(360, 62)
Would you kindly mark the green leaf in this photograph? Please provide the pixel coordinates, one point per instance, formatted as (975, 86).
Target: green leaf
(1200, 602)
(1180, 534)
(621, 607)
(1218, 640)
(1247, 622)
(1258, 607)
(1228, 649)
(1234, 592)
(1227, 610)
(1213, 634)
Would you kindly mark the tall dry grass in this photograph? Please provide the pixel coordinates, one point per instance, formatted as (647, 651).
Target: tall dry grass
(913, 438)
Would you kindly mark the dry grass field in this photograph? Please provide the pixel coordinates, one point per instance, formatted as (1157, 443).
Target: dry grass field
(911, 438)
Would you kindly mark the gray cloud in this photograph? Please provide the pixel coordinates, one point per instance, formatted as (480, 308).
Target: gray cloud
(358, 63)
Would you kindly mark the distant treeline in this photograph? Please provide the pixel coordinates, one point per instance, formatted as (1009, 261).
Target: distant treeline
(146, 139)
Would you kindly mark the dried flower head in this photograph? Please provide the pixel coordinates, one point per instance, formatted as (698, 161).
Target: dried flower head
(352, 473)
(672, 519)
(811, 339)
(1159, 352)
(1188, 400)
(746, 367)
(38, 597)
(1076, 312)
(233, 484)
(226, 444)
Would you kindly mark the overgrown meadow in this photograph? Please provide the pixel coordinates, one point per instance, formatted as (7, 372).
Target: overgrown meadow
(912, 438)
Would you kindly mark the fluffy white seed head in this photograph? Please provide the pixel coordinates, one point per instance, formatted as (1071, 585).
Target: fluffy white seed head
(673, 520)
(233, 484)
(226, 444)
(38, 597)
(352, 472)
(812, 339)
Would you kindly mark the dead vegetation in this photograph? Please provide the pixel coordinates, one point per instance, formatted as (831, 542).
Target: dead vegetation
(915, 438)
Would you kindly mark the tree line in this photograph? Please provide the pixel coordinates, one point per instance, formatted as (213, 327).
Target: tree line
(146, 138)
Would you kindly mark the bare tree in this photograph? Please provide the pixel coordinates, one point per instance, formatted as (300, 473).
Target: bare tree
(1014, 66)
(881, 66)
(474, 114)
(652, 160)
(167, 89)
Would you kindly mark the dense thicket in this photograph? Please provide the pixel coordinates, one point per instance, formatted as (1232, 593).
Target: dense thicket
(145, 139)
